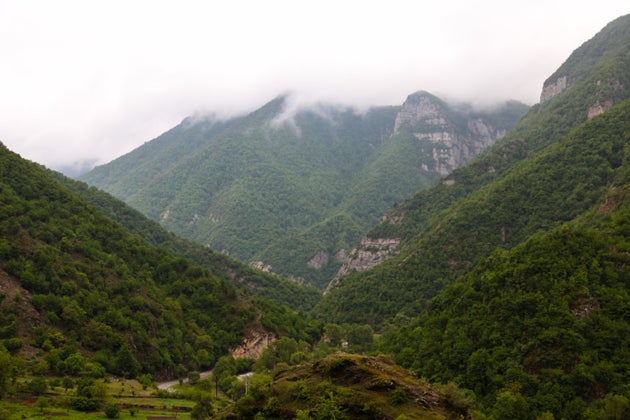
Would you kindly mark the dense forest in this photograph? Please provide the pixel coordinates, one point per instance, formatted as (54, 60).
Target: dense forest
(544, 326)
(257, 282)
(288, 190)
(509, 297)
(537, 177)
(91, 296)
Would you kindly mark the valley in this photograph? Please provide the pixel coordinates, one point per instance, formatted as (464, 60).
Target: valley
(430, 260)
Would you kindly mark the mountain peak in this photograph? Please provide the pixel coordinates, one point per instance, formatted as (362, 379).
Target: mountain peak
(612, 40)
(420, 106)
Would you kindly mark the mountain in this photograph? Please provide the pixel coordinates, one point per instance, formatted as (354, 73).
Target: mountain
(512, 278)
(544, 326)
(81, 295)
(283, 292)
(292, 191)
(535, 178)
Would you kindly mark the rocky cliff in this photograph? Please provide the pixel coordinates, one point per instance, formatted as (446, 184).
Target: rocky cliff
(553, 88)
(450, 136)
(369, 254)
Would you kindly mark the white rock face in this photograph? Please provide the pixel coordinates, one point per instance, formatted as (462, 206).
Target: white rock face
(449, 137)
(420, 107)
(369, 254)
(554, 88)
(451, 144)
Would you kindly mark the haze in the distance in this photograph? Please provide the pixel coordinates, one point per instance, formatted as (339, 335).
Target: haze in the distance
(84, 82)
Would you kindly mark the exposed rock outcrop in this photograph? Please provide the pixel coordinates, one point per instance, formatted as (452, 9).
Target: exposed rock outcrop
(450, 136)
(551, 89)
(368, 254)
(253, 344)
(599, 107)
(319, 260)
(260, 265)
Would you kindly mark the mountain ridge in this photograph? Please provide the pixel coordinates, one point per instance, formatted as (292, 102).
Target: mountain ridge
(433, 252)
(282, 189)
(82, 295)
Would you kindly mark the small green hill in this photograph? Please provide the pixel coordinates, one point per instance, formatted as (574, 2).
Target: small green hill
(345, 386)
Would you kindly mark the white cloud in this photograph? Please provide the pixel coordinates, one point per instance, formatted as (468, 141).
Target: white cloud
(92, 80)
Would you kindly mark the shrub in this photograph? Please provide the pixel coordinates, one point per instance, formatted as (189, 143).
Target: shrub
(399, 396)
(85, 404)
(112, 411)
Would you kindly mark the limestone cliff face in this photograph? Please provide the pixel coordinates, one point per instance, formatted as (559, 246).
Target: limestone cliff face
(552, 88)
(253, 344)
(450, 136)
(370, 253)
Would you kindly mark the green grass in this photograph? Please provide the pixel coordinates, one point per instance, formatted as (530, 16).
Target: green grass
(127, 394)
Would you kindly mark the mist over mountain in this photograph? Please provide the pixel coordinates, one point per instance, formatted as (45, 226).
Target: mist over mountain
(511, 271)
(292, 189)
(522, 184)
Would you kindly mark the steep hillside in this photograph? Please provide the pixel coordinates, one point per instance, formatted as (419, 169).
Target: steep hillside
(271, 186)
(543, 327)
(539, 176)
(80, 295)
(257, 282)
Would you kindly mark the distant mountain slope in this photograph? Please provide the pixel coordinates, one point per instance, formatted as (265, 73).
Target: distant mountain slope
(535, 178)
(270, 187)
(257, 282)
(81, 295)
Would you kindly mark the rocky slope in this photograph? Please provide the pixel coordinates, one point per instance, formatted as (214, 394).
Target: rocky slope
(449, 138)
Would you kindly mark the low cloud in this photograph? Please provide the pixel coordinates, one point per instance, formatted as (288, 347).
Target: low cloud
(88, 81)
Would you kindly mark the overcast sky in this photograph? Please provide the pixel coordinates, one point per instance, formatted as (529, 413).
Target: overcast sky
(91, 80)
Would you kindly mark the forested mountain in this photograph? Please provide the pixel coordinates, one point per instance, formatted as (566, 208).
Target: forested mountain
(507, 282)
(545, 326)
(82, 295)
(284, 292)
(514, 278)
(540, 175)
(293, 192)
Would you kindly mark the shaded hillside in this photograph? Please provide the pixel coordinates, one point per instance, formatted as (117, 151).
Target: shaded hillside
(82, 296)
(289, 191)
(344, 386)
(539, 176)
(543, 327)
(257, 282)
